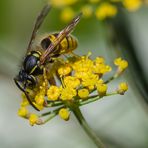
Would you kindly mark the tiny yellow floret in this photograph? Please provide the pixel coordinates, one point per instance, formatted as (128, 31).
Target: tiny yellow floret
(53, 93)
(68, 93)
(122, 64)
(61, 3)
(23, 112)
(24, 100)
(89, 80)
(83, 93)
(39, 99)
(87, 11)
(71, 81)
(83, 65)
(67, 14)
(122, 88)
(102, 89)
(132, 5)
(105, 10)
(33, 119)
(64, 114)
(64, 70)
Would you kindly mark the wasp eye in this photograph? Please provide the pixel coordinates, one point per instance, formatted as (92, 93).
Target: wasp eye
(45, 43)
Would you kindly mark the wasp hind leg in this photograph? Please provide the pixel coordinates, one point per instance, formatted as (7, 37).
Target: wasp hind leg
(47, 81)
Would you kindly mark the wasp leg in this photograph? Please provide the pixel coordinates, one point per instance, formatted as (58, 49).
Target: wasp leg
(26, 94)
(52, 80)
(45, 78)
(46, 84)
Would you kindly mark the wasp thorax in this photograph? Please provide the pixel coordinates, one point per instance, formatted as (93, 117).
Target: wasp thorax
(31, 63)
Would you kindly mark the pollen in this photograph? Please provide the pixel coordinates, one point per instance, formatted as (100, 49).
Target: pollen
(64, 114)
(53, 93)
(83, 93)
(122, 88)
(33, 118)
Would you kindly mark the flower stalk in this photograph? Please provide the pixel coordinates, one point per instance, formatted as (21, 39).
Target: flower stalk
(85, 126)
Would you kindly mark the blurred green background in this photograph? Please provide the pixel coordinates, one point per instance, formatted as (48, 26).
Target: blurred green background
(120, 121)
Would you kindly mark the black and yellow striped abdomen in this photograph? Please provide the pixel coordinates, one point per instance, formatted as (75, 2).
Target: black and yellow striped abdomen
(67, 45)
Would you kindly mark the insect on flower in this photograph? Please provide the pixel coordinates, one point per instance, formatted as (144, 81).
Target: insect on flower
(38, 60)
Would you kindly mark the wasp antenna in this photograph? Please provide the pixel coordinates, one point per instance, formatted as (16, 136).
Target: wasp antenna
(77, 18)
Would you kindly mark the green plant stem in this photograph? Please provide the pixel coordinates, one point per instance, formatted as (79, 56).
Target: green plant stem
(95, 98)
(112, 78)
(86, 127)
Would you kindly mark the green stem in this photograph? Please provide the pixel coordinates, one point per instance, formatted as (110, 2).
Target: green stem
(86, 127)
(51, 114)
(95, 98)
(112, 78)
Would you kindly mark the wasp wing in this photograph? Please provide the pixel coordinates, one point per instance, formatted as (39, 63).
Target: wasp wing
(67, 30)
(38, 23)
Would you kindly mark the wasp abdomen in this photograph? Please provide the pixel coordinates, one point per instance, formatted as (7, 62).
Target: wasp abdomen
(68, 44)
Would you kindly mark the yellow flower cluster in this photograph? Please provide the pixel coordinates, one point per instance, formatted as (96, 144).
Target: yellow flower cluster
(100, 8)
(105, 10)
(132, 5)
(79, 78)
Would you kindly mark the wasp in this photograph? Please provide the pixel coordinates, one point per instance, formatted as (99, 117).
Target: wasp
(36, 60)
